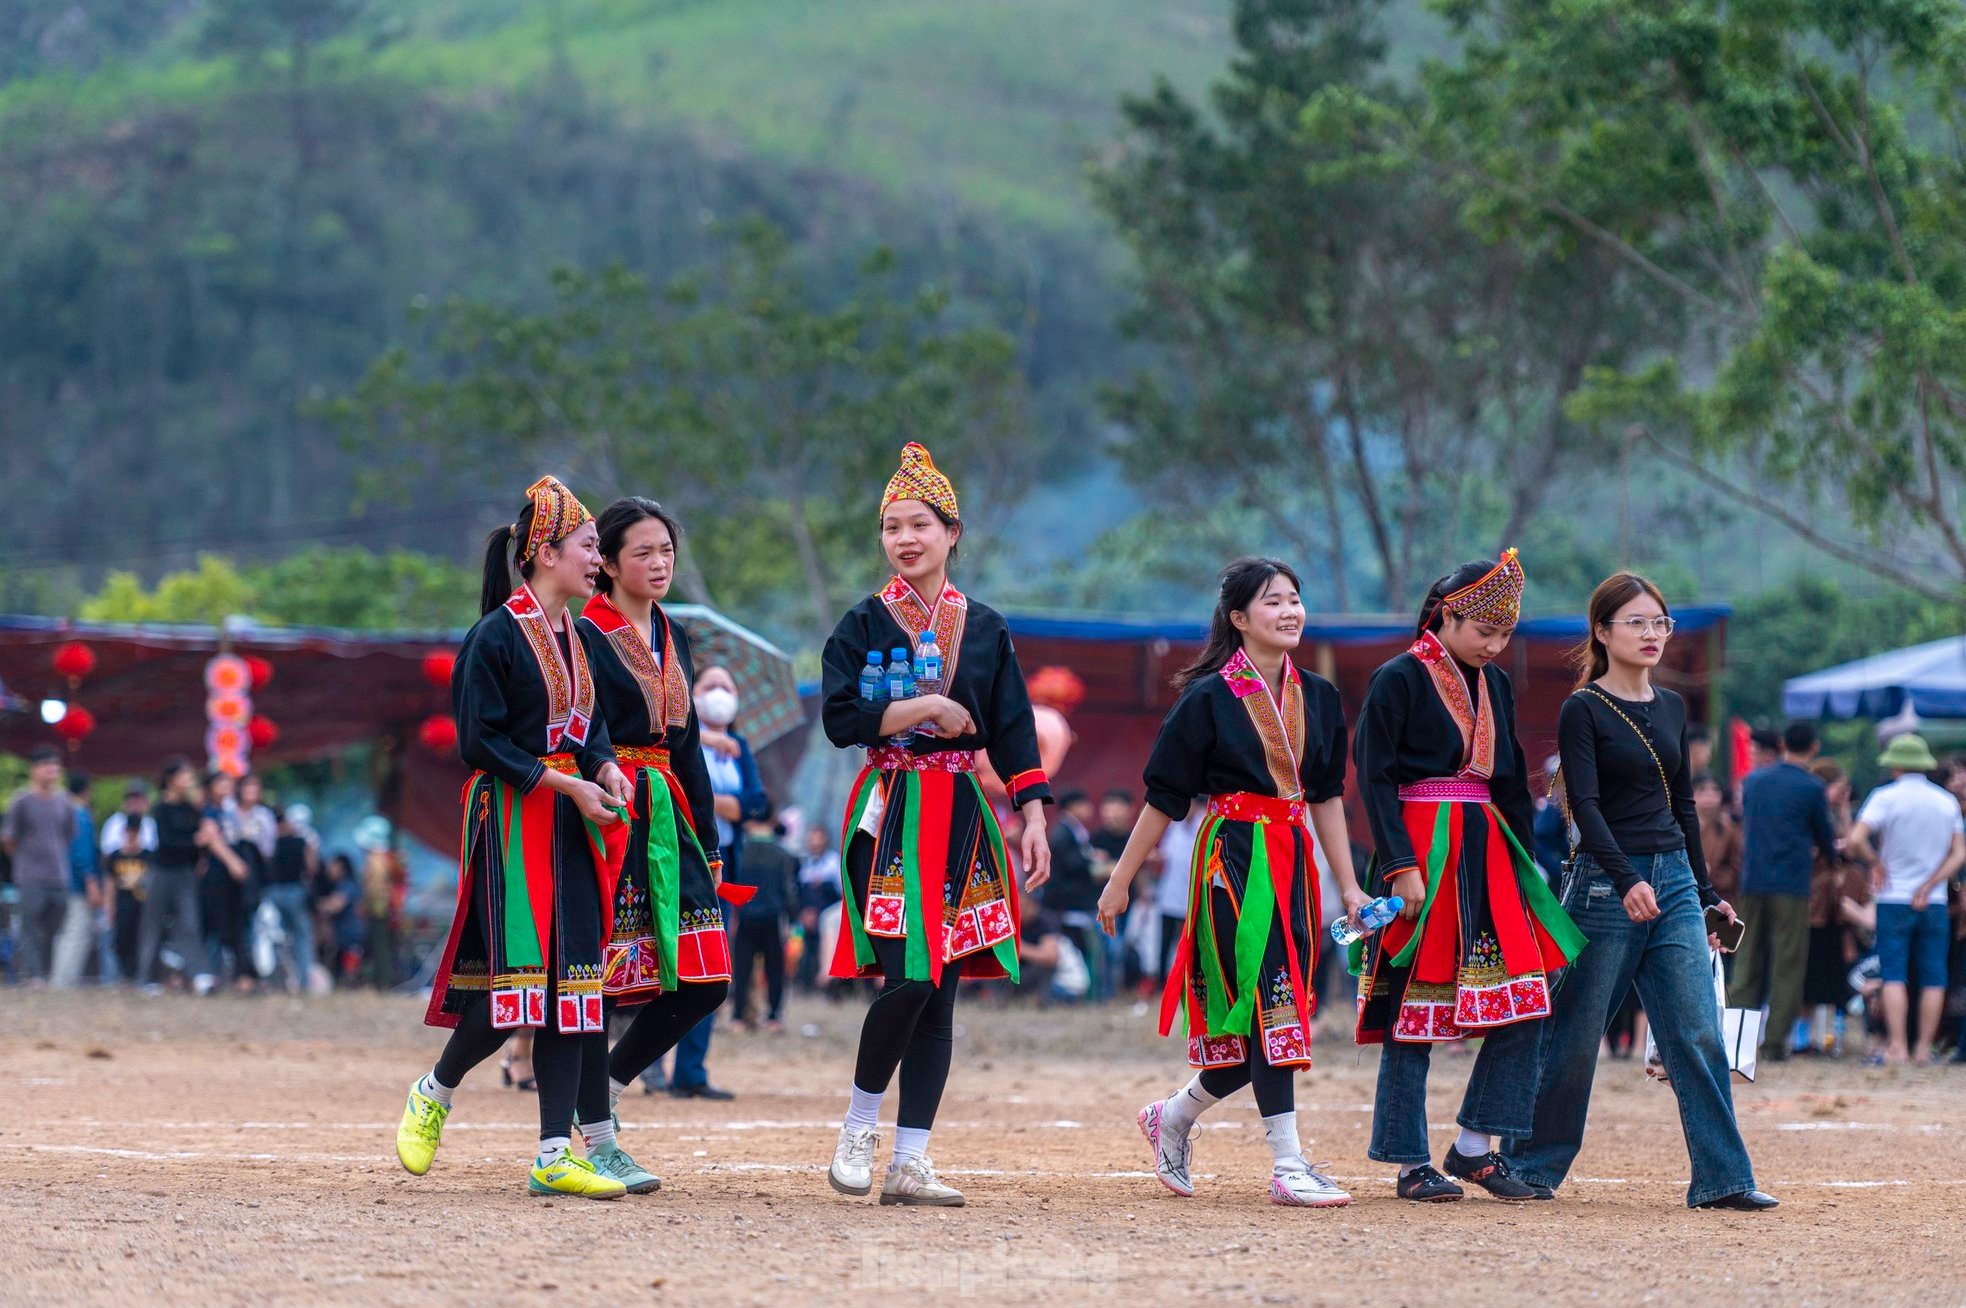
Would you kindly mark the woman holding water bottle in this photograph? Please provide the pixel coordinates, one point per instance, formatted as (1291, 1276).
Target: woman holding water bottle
(922, 677)
(1264, 742)
(1446, 788)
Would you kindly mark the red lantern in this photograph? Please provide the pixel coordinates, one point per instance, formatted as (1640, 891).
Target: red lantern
(438, 733)
(262, 732)
(76, 723)
(260, 669)
(437, 667)
(74, 660)
(227, 674)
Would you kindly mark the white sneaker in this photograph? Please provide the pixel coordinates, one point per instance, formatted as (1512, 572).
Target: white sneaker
(1172, 1149)
(914, 1183)
(1306, 1189)
(852, 1171)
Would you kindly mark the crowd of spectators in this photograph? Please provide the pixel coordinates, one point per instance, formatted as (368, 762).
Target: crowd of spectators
(198, 883)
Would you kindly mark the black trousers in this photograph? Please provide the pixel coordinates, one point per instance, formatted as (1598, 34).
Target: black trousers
(910, 1026)
(556, 1061)
(753, 937)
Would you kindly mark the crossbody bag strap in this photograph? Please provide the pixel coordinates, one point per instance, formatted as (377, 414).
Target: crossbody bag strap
(1569, 823)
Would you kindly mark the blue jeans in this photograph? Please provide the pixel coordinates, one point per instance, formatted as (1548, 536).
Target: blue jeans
(691, 1050)
(1667, 958)
(1500, 1098)
(296, 912)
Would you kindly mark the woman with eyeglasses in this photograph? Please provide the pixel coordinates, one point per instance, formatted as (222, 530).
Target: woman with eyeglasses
(1637, 885)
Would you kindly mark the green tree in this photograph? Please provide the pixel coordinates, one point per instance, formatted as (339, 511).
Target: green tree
(350, 588)
(1337, 352)
(765, 416)
(1791, 174)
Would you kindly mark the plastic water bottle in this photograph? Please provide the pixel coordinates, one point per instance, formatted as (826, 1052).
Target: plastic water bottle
(1374, 913)
(927, 671)
(900, 686)
(873, 680)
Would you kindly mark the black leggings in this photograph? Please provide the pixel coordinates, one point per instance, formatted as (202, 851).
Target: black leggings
(910, 1025)
(1275, 1087)
(658, 1025)
(556, 1062)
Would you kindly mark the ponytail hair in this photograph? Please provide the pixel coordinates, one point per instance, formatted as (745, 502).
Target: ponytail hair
(498, 587)
(1242, 581)
(613, 525)
(1432, 615)
(1593, 660)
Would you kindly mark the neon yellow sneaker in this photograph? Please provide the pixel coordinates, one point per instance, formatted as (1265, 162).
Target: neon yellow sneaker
(422, 1130)
(575, 1177)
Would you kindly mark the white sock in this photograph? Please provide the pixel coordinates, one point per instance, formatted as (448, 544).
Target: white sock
(436, 1089)
(1286, 1154)
(551, 1147)
(1469, 1144)
(1187, 1104)
(598, 1133)
(1404, 1168)
(910, 1142)
(615, 1090)
(864, 1112)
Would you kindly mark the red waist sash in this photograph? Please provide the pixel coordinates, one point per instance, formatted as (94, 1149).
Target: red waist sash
(1248, 806)
(899, 758)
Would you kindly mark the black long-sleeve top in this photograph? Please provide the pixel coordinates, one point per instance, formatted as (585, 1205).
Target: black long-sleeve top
(1613, 788)
(1406, 735)
(499, 697)
(1209, 746)
(625, 698)
(987, 681)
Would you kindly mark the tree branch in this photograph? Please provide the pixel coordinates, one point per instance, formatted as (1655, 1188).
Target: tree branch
(1877, 565)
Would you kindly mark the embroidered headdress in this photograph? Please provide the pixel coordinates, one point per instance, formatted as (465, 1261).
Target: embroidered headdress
(555, 515)
(919, 479)
(1496, 598)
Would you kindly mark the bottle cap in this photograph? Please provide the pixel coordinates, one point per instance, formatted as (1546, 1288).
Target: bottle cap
(874, 657)
(1395, 903)
(899, 652)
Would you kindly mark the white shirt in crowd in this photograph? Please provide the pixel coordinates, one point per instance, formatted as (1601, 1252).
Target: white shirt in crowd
(1914, 821)
(1177, 853)
(117, 823)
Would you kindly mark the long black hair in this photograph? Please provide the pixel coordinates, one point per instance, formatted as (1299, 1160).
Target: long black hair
(497, 587)
(1432, 615)
(1242, 581)
(614, 522)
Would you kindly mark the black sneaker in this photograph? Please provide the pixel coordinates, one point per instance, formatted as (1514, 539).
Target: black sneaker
(1424, 1185)
(1489, 1171)
(705, 1091)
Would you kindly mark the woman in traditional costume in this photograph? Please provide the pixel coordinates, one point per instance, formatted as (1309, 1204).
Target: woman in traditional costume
(1263, 742)
(929, 889)
(666, 953)
(525, 944)
(1446, 789)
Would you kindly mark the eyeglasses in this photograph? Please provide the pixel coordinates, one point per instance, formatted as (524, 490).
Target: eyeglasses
(1645, 626)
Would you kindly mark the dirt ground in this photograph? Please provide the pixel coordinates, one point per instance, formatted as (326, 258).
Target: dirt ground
(240, 1150)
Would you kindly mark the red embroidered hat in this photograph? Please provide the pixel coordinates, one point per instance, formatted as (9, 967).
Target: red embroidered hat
(919, 479)
(1496, 598)
(556, 514)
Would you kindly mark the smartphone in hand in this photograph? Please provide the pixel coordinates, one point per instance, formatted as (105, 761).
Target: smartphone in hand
(1730, 933)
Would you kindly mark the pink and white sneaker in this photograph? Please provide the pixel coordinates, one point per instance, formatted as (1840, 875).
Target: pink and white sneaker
(1306, 1189)
(1171, 1151)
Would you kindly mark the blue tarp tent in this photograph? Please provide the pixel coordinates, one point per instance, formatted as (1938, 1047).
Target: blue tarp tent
(1932, 677)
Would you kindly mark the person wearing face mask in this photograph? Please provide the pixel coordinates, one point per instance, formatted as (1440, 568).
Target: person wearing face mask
(667, 952)
(737, 796)
(1263, 743)
(1638, 887)
(930, 893)
(526, 941)
(1446, 789)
